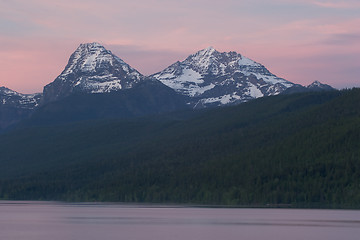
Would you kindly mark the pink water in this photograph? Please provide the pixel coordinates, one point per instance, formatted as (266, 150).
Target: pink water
(55, 221)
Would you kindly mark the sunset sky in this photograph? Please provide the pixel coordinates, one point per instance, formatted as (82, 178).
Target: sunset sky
(299, 40)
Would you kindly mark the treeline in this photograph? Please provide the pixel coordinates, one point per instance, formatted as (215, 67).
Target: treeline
(299, 150)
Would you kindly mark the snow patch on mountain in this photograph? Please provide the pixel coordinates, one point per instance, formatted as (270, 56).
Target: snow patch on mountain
(244, 61)
(189, 83)
(254, 91)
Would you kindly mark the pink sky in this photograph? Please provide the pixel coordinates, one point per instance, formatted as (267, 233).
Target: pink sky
(301, 41)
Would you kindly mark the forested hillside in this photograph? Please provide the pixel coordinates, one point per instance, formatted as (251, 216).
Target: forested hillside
(300, 149)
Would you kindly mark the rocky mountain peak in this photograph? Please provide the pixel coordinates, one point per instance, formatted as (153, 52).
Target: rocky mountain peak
(92, 69)
(204, 53)
(315, 84)
(216, 78)
(204, 59)
(318, 86)
(90, 58)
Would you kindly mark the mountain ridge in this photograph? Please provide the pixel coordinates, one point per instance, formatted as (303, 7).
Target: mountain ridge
(207, 78)
(89, 57)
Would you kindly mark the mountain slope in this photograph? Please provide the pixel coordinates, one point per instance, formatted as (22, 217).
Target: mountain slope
(92, 69)
(15, 106)
(300, 149)
(148, 97)
(213, 78)
(99, 85)
(318, 86)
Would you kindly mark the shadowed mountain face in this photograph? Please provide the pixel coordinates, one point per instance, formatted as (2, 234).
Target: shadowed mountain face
(146, 98)
(15, 106)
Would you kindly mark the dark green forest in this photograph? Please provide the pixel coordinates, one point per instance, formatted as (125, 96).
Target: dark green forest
(299, 150)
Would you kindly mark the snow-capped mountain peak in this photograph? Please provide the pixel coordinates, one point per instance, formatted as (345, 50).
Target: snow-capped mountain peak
(89, 57)
(92, 69)
(203, 59)
(204, 53)
(211, 77)
(315, 84)
(318, 86)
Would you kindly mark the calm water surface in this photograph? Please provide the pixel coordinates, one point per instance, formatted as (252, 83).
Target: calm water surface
(44, 220)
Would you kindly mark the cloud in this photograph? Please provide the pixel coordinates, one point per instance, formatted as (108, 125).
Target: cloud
(343, 39)
(337, 4)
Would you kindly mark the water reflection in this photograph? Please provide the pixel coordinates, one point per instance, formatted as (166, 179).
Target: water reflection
(44, 220)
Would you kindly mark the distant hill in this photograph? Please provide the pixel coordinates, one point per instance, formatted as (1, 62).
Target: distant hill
(302, 150)
(316, 86)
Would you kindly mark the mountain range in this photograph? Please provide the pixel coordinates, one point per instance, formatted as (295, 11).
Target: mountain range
(207, 78)
(102, 131)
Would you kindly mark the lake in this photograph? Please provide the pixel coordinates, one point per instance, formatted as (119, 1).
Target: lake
(62, 221)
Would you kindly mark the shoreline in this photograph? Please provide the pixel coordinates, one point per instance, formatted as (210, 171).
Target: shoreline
(176, 205)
